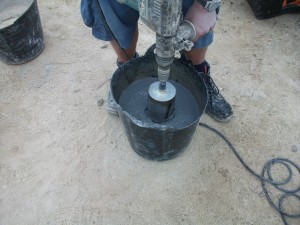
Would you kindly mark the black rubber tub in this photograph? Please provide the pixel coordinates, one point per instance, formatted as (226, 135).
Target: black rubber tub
(21, 34)
(154, 140)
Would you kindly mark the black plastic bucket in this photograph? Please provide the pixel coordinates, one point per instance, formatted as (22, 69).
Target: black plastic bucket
(21, 34)
(153, 140)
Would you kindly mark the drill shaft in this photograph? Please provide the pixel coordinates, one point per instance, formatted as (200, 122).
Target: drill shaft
(164, 57)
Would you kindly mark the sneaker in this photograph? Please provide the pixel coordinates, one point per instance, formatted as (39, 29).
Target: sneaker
(217, 106)
(111, 104)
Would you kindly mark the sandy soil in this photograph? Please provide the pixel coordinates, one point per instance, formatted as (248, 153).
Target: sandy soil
(65, 160)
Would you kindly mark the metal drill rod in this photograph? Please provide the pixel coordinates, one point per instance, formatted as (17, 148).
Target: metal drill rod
(164, 57)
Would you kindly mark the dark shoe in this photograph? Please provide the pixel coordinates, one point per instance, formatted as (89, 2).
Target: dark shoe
(217, 107)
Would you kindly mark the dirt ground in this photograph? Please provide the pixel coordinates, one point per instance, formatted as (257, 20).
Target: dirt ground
(65, 160)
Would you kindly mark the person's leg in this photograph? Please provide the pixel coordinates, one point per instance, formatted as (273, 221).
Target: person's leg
(114, 22)
(217, 106)
(196, 55)
(125, 54)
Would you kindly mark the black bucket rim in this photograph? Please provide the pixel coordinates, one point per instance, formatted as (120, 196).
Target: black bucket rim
(126, 66)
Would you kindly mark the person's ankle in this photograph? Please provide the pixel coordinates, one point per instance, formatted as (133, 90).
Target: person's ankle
(120, 62)
(202, 67)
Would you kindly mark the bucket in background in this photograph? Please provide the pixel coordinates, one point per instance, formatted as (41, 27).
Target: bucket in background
(153, 140)
(21, 34)
(264, 9)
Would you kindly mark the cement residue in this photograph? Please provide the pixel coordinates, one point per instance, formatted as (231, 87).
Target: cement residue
(11, 10)
(134, 100)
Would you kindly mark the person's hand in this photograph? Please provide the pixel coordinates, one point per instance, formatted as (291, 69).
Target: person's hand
(203, 20)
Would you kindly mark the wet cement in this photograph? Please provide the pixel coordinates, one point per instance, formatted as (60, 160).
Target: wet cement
(11, 10)
(134, 101)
